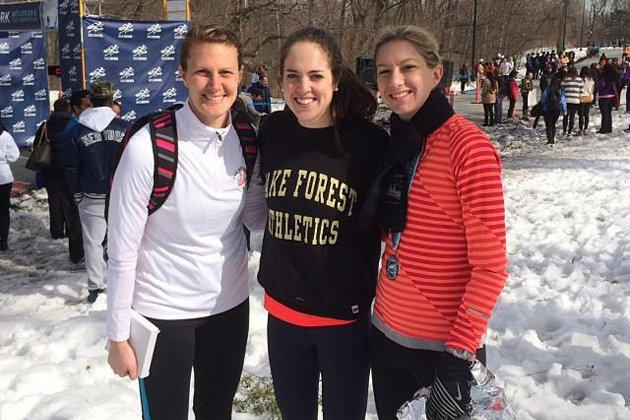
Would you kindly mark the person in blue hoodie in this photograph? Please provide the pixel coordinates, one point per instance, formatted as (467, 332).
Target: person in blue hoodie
(89, 153)
(553, 103)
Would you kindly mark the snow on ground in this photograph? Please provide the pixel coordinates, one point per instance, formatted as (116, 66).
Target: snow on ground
(559, 339)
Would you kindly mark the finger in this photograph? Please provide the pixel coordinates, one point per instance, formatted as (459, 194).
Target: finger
(133, 373)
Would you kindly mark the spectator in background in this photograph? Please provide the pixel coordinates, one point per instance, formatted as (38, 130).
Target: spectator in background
(587, 98)
(117, 109)
(245, 104)
(553, 103)
(572, 86)
(261, 95)
(59, 201)
(512, 92)
(9, 152)
(608, 97)
(88, 157)
(501, 94)
(488, 98)
(463, 76)
(527, 86)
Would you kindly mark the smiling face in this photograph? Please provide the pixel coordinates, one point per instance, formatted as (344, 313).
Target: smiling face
(404, 79)
(308, 85)
(212, 76)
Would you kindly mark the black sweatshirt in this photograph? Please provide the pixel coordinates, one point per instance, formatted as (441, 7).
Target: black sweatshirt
(315, 259)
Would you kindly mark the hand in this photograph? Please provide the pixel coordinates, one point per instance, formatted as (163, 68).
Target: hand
(122, 359)
(450, 392)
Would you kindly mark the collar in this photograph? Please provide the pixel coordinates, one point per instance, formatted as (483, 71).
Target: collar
(190, 128)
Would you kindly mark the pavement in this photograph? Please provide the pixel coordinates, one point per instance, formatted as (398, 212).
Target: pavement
(463, 104)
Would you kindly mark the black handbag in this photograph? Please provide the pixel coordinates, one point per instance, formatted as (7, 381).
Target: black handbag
(41, 154)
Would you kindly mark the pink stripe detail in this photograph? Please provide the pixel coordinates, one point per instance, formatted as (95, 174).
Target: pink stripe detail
(242, 126)
(163, 144)
(250, 149)
(162, 121)
(165, 172)
(160, 189)
(158, 195)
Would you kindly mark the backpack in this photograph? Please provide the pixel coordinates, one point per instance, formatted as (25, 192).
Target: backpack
(163, 131)
(553, 99)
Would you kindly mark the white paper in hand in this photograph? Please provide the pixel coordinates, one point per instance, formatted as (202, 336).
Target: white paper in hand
(142, 337)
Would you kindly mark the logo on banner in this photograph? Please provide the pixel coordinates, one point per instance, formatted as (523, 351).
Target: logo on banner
(142, 97)
(7, 112)
(97, 73)
(70, 29)
(169, 95)
(41, 95)
(73, 73)
(28, 80)
(126, 76)
(155, 74)
(26, 48)
(75, 6)
(19, 127)
(63, 7)
(111, 53)
(14, 34)
(140, 53)
(129, 116)
(65, 51)
(37, 34)
(66, 94)
(125, 31)
(95, 30)
(30, 111)
(181, 31)
(168, 53)
(178, 77)
(17, 96)
(4, 48)
(39, 64)
(15, 64)
(76, 51)
(154, 31)
(117, 95)
(5, 80)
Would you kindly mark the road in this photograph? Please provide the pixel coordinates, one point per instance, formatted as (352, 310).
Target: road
(463, 105)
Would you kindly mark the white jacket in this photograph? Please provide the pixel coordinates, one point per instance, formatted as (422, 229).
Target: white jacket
(189, 258)
(9, 152)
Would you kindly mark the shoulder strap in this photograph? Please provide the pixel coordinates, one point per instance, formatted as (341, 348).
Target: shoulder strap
(249, 142)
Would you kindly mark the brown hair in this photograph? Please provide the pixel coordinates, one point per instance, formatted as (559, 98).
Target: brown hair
(352, 99)
(202, 34)
(422, 40)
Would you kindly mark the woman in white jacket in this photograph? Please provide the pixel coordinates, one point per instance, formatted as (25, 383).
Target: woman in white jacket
(9, 152)
(586, 100)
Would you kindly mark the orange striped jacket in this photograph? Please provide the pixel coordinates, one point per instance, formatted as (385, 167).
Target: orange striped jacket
(452, 252)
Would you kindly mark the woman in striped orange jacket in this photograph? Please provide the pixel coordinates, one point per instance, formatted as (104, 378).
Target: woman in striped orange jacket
(445, 263)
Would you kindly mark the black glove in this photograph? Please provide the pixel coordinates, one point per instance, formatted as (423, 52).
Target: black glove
(450, 392)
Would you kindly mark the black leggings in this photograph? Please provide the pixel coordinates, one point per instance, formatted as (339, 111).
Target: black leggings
(488, 114)
(551, 118)
(5, 216)
(215, 347)
(584, 112)
(398, 372)
(297, 356)
(569, 118)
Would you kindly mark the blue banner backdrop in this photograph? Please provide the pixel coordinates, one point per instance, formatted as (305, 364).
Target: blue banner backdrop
(140, 58)
(23, 84)
(70, 47)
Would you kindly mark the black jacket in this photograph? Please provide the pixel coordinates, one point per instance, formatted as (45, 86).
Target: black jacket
(54, 129)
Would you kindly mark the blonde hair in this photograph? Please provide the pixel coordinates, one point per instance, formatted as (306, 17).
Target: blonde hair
(422, 40)
(202, 34)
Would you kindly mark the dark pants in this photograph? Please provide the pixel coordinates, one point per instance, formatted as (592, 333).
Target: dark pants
(488, 114)
(214, 347)
(605, 107)
(511, 108)
(498, 109)
(398, 372)
(64, 214)
(551, 118)
(584, 112)
(569, 118)
(5, 215)
(463, 84)
(628, 99)
(297, 356)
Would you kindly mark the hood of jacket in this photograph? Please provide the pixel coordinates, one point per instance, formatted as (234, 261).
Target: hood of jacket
(97, 118)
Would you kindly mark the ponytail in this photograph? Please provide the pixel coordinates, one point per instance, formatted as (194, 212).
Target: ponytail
(353, 99)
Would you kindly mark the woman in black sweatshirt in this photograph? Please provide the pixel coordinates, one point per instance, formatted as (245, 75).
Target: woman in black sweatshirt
(318, 266)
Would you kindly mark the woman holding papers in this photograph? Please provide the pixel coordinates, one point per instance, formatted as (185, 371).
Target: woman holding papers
(184, 267)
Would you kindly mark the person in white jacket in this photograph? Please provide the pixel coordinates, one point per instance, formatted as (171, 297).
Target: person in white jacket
(9, 152)
(184, 267)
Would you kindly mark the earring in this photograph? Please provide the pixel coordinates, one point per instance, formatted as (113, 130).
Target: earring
(336, 89)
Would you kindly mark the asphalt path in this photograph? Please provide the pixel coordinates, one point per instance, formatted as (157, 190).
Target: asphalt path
(463, 104)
